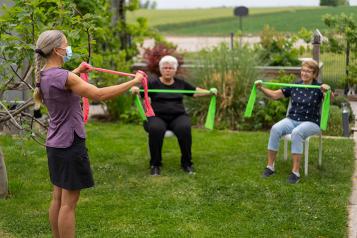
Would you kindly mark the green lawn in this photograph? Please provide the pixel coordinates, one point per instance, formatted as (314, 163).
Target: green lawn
(226, 198)
(174, 16)
(284, 21)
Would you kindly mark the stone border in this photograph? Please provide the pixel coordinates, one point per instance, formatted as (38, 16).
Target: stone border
(352, 205)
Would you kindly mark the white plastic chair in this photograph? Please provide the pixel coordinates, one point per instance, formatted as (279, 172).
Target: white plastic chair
(287, 138)
(169, 133)
(306, 150)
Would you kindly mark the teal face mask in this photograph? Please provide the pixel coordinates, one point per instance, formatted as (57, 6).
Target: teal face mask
(68, 54)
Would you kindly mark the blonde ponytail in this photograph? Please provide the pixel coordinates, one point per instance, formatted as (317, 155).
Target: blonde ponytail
(37, 93)
(47, 41)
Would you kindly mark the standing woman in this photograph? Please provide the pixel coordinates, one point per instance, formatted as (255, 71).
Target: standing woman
(61, 91)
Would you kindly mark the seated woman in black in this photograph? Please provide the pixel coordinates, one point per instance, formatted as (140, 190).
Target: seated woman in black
(170, 115)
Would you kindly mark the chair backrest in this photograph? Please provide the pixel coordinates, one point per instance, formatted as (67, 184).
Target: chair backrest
(289, 106)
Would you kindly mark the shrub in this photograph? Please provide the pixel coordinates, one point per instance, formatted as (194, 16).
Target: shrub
(342, 37)
(351, 78)
(267, 111)
(122, 109)
(276, 49)
(117, 105)
(338, 100)
(153, 55)
(333, 3)
(232, 72)
(335, 121)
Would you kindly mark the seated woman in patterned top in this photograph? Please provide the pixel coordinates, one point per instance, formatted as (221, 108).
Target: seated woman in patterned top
(303, 118)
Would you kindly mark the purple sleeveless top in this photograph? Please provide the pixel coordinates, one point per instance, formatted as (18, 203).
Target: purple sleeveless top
(64, 109)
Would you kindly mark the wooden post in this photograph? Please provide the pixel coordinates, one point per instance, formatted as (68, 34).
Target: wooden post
(3, 178)
(232, 40)
(316, 42)
(350, 89)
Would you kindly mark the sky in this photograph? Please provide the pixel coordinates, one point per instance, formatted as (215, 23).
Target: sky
(169, 4)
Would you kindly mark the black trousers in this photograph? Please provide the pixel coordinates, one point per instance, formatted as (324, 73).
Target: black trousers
(180, 125)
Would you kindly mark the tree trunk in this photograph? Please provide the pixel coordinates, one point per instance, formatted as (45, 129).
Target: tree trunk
(119, 17)
(3, 177)
(122, 20)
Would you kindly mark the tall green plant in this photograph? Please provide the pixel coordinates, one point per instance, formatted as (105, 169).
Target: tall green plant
(276, 49)
(342, 38)
(342, 32)
(268, 111)
(92, 31)
(21, 24)
(232, 72)
(116, 45)
(335, 121)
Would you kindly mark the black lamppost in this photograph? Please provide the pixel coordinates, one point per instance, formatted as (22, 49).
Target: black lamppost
(241, 12)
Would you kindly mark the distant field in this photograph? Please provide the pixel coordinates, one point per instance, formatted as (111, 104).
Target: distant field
(220, 22)
(163, 17)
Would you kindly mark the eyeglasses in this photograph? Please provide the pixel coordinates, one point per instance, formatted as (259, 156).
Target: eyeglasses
(307, 71)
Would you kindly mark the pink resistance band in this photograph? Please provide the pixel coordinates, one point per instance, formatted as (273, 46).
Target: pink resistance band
(85, 100)
(149, 111)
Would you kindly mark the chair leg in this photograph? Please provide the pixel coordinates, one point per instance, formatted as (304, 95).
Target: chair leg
(285, 149)
(320, 151)
(306, 160)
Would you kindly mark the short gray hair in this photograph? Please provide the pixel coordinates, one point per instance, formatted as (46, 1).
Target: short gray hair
(168, 59)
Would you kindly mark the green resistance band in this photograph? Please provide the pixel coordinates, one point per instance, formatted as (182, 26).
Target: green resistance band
(325, 104)
(211, 109)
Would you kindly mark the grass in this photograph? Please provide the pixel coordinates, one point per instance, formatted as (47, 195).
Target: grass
(163, 17)
(283, 21)
(227, 197)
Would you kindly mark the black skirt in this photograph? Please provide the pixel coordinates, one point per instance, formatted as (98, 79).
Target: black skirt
(69, 168)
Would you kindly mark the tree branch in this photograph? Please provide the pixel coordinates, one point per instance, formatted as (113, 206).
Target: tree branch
(13, 120)
(26, 76)
(89, 46)
(22, 107)
(34, 119)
